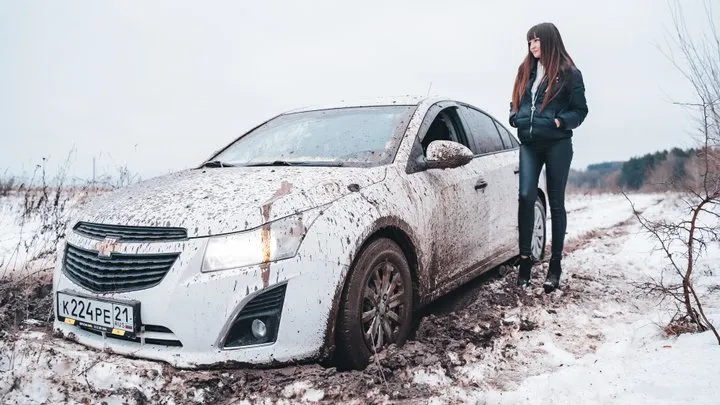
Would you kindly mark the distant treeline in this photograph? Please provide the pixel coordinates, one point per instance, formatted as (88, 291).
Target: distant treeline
(664, 170)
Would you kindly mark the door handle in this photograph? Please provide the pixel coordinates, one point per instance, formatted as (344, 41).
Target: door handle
(516, 170)
(480, 184)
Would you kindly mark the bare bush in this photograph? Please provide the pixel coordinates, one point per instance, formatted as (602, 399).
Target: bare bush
(122, 178)
(47, 207)
(685, 241)
(42, 218)
(44, 206)
(7, 183)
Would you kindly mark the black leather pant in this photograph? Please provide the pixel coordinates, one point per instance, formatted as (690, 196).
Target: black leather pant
(556, 155)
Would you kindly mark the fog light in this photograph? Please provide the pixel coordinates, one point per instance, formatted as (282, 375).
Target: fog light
(259, 330)
(258, 322)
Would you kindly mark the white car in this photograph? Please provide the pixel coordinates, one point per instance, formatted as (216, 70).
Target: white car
(314, 236)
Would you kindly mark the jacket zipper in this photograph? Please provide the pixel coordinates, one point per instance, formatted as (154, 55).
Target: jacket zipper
(532, 108)
(532, 115)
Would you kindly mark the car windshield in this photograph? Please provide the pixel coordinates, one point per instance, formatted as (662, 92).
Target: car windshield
(358, 136)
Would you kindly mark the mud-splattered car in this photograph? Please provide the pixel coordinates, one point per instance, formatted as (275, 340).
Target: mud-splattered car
(315, 235)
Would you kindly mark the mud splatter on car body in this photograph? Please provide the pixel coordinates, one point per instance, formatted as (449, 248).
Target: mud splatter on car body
(449, 231)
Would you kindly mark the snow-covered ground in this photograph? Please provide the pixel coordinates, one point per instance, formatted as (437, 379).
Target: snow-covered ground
(596, 341)
(15, 230)
(628, 359)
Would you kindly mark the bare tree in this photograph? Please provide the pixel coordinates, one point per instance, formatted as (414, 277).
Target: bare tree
(697, 58)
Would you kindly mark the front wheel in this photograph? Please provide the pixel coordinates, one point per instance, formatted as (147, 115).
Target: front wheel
(376, 306)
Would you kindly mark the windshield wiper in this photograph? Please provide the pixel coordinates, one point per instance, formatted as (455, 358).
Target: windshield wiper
(289, 163)
(216, 163)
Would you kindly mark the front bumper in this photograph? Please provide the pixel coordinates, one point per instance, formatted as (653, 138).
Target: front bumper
(195, 310)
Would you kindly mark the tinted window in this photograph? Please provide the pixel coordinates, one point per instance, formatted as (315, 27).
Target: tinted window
(483, 131)
(507, 139)
(514, 140)
(445, 127)
(439, 130)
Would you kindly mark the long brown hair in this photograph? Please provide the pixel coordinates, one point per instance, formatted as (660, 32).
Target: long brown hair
(554, 58)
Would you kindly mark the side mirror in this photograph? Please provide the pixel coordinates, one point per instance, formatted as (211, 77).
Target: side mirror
(447, 155)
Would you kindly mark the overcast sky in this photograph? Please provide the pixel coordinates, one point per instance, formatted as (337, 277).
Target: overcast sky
(158, 86)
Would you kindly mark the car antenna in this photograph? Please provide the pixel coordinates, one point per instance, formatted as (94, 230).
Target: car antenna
(429, 87)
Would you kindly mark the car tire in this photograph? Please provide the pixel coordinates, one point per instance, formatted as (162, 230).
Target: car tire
(539, 234)
(376, 304)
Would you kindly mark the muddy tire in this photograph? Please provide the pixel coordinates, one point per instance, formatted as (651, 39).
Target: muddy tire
(539, 234)
(376, 305)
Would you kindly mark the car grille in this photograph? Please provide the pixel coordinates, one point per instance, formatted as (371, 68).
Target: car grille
(119, 272)
(130, 233)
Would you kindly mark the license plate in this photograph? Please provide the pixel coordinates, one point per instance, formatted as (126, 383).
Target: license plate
(118, 318)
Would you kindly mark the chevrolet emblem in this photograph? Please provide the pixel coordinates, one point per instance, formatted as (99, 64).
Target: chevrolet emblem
(107, 247)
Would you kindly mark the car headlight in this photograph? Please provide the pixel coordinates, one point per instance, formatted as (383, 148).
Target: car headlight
(271, 242)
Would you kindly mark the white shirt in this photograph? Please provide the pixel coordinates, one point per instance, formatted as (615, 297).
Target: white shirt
(539, 74)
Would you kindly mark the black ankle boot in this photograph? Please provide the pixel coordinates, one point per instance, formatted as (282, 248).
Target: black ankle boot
(523, 279)
(553, 277)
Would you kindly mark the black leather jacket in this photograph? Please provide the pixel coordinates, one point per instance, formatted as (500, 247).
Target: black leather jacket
(569, 106)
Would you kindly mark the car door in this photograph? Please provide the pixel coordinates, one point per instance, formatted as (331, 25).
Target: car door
(497, 165)
(446, 195)
(509, 160)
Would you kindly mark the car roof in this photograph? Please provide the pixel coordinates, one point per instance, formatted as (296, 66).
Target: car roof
(372, 102)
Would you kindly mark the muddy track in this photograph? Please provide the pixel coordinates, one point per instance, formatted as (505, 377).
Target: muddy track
(444, 328)
(463, 322)
(459, 329)
(28, 298)
(611, 231)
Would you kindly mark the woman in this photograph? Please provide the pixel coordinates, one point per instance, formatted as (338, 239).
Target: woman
(548, 102)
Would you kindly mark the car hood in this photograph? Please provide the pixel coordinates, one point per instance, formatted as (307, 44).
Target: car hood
(214, 201)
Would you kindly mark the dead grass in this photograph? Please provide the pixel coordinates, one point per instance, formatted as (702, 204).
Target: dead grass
(680, 326)
(24, 299)
(44, 207)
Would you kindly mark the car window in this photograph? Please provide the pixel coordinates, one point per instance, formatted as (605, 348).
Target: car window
(357, 136)
(483, 131)
(507, 139)
(513, 139)
(445, 127)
